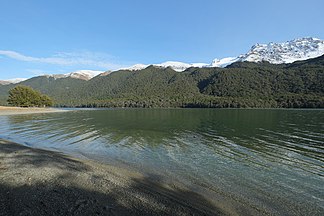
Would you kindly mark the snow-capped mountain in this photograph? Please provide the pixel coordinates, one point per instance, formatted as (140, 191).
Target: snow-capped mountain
(135, 67)
(81, 74)
(84, 74)
(177, 66)
(11, 81)
(223, 62)
(288, 52)
(4, 82)
(275, 53)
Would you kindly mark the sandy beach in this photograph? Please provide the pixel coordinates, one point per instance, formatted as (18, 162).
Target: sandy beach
(6, 110)
(39, 182)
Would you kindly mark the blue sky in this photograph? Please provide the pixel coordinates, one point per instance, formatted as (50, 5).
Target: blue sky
(48, 37)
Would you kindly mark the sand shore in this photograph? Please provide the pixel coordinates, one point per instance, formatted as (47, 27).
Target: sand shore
(5, 110)
(39, 182)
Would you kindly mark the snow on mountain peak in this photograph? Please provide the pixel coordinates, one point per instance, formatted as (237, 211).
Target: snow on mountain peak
(12, 81)
(177, 66)
(80, 74)
(275, 53)
(135, 67)
(84, 74)
(223, 62)
(287, 52)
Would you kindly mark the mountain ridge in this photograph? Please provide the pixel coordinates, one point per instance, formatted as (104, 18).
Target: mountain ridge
(80, 74)
(241, 84)
(274, 53)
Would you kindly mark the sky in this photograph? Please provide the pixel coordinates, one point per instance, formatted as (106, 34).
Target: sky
(55, 37)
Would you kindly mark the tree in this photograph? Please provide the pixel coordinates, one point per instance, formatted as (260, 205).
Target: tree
(24, 96)
(46, 101)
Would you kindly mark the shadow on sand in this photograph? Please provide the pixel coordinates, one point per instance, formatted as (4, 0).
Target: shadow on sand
(39, 182)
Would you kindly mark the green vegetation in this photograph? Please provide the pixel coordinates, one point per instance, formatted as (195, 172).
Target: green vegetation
(242, 84)
(24, 96)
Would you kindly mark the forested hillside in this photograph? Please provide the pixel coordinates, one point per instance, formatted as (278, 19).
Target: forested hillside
(242, 84)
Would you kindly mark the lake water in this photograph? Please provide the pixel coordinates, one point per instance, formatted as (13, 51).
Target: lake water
(271, 160)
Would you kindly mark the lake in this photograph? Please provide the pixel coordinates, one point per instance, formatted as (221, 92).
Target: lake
(270, 160)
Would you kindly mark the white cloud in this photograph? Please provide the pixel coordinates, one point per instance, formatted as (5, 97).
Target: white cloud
(99, 60)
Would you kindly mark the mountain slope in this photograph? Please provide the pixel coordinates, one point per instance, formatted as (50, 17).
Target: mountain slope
(242, 84)
(81, 74)
(247, 84)
(274, 53)
(62, 90)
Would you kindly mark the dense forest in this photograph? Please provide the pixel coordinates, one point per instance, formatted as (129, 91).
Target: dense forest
(242, 84)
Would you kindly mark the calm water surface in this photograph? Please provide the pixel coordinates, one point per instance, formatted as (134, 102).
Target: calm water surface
(272, 160)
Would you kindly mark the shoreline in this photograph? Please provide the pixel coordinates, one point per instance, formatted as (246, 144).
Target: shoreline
(39, 182)
(4, 110)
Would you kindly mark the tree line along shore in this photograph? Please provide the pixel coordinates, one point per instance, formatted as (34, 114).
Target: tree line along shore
(240, 85)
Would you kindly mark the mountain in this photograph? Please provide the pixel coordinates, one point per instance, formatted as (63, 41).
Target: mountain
(269, 75)
(223, 62)
(12, 81)
(275, 53)
(177, 66)
(135, 67)
(4, 82)
(63, 90)
(288, 52)
(81, 74)
(241, 84)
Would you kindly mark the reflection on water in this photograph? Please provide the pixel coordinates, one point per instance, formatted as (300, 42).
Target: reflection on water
(269, 159)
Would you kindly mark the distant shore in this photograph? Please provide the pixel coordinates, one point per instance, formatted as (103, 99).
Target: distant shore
(6, 110)
(40, 182)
